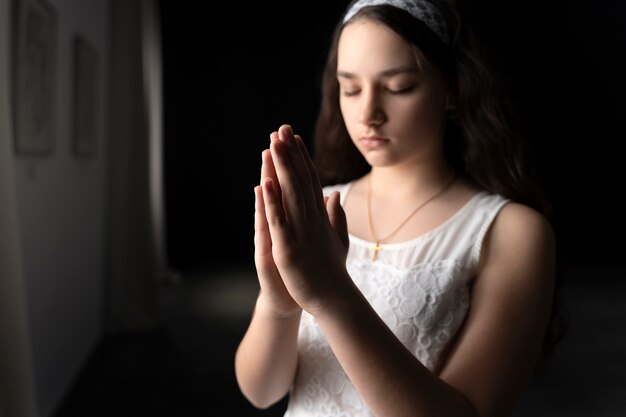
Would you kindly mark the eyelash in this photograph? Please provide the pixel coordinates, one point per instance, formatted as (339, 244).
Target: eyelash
(393, 92)
(404, 90)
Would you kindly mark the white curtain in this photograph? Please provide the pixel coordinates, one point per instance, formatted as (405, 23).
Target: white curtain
(137, 260)
(152, 71)
(17, 392)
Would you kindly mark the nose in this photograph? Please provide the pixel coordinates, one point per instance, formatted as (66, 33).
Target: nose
(372, 113)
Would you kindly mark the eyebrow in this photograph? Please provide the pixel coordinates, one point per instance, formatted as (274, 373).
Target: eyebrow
(384, 74)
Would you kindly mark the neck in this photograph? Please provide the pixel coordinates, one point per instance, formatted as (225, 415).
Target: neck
(408, 182)
(433, 191)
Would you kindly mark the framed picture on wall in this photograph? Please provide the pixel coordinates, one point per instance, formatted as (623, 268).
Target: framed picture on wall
(35, 77)
(85, 96)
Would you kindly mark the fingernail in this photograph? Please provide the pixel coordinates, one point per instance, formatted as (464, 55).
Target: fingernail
(287, 131)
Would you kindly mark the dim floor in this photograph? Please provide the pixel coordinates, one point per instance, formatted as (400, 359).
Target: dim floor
(185, 367)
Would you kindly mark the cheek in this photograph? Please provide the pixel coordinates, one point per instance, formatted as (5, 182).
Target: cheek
(348, 112)
(409, 114)
(420, 113)
(345, 108)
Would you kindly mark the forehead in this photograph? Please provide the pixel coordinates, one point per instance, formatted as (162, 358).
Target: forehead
(366, 45)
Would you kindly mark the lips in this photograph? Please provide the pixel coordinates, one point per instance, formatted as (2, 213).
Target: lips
(373, 142)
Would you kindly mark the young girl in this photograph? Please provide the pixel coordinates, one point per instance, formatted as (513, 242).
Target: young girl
(410, 270)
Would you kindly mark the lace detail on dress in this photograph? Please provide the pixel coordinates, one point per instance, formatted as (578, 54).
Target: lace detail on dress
(424, 306)
(419, 288)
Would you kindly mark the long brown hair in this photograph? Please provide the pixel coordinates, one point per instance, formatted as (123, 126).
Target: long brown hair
(482, 141)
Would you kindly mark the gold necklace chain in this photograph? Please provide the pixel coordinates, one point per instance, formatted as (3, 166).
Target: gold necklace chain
(378, 241)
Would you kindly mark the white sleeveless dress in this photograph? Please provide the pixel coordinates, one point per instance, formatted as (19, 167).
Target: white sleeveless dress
(420, 288)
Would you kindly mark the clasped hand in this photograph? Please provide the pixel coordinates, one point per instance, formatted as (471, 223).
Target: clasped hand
(301, 237)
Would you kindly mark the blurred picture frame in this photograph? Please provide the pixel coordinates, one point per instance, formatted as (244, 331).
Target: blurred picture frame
(35, 53)
(85, 97)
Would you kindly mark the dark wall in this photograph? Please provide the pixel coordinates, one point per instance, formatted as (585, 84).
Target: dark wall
(235, 72)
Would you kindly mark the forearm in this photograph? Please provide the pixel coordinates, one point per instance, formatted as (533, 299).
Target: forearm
(267, 357)
(388, 377)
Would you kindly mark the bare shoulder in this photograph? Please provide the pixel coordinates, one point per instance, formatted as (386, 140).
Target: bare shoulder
(495, 352)
(522, 241)
(520, 225)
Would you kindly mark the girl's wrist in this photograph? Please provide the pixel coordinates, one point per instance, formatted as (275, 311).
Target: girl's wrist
(269, 309)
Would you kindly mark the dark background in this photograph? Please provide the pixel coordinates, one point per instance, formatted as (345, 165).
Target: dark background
(233, 72)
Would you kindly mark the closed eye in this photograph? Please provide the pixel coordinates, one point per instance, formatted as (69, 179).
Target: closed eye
(404, 90)
(351, 93)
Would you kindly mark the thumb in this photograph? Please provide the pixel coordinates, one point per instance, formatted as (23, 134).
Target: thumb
(337, 217)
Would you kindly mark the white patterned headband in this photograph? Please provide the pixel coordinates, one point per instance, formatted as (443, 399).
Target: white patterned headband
(420, 9)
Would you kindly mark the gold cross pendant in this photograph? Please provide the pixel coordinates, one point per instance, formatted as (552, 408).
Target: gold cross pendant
(375, 250)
